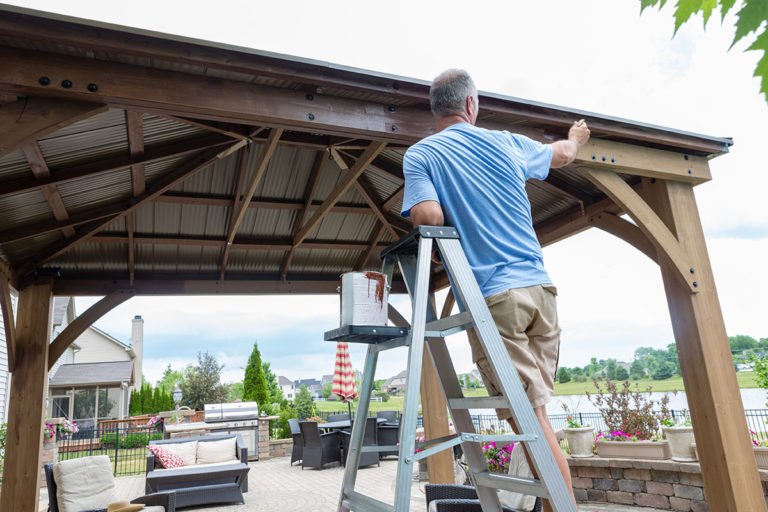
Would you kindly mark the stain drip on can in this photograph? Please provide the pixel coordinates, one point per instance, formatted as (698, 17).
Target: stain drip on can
(381, 283)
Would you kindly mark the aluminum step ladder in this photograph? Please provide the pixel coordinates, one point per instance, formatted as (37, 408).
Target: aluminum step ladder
(413, 255)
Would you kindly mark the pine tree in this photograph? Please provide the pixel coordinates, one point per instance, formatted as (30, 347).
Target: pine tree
(134, 407)
(157, 401)
(146, 398)
(254, 383)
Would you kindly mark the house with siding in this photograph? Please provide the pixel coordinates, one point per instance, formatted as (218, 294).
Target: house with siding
(287, 387)
(395, 384)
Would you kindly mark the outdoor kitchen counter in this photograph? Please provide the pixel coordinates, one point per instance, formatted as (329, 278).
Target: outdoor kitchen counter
(197, 426)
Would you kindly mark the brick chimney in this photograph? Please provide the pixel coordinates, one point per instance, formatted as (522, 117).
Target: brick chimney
(137, 343)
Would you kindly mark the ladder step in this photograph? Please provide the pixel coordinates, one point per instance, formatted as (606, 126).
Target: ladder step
(519, 484)
(370, 334)
(479, 402)
(448, 325)
(355, 501)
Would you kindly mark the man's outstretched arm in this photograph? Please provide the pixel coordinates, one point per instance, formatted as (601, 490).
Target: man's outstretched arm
(565, 151)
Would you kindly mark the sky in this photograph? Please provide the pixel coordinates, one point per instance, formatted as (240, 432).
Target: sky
(596, 55)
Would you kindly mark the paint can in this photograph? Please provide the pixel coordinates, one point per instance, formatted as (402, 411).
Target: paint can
(364, 298)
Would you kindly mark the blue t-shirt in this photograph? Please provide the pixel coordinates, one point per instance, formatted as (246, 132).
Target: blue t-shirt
(478, 177)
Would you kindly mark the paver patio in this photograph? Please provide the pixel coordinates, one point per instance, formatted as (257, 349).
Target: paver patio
(274, 485)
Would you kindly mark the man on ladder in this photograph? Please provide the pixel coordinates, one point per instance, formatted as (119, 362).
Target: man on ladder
(474, 179)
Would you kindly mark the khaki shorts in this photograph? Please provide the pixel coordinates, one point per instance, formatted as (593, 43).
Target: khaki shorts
(527, 321)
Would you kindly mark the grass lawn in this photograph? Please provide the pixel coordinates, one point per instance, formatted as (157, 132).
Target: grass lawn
(395, 403)
(129, 461)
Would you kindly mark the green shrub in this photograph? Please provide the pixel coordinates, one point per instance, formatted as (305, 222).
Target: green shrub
(130, 440)
(383, 395)
(283, 429)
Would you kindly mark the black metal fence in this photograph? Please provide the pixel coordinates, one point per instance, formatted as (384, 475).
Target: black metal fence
(125, 446)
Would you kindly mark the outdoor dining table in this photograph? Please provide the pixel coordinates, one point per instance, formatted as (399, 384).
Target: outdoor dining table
(338, 425)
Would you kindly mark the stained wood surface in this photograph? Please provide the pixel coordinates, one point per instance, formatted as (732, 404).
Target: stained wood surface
(24, 442)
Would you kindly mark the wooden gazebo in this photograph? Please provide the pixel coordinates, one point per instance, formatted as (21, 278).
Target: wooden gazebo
(138, 163)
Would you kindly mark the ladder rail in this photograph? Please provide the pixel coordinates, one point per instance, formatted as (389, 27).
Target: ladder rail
(541, 455)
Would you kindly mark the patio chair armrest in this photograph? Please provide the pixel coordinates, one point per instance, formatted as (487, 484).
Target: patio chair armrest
(150, 461)
(165, 499)
(456, 505)
(242, 450)
(449, 492)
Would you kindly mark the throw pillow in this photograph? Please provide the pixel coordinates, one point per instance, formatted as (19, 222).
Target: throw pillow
(209, 452)
(167, 458)
(187, 451)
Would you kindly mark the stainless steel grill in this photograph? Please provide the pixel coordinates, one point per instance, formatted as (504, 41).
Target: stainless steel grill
(235, 418)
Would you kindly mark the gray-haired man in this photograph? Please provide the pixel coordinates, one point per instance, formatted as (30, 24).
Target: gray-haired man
(474, 179)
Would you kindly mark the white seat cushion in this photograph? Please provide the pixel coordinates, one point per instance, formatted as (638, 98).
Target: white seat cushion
(209, 452)
(187, 451)
(84, 484)
(224, 463)
(154, 508)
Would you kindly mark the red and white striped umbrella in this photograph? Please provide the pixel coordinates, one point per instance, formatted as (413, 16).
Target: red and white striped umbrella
(343, 375)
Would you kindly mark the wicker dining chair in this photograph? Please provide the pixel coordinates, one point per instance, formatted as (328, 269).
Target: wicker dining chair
(318, 449)
(460, 498)
(298, 441)
(370, 438)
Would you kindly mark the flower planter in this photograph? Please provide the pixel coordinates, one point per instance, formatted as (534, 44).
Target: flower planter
(680, 443)
(761, 455)
(581, 441)
(655, 450)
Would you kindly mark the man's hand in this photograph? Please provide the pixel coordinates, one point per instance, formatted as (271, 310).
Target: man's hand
(579, 132)
(564, 151)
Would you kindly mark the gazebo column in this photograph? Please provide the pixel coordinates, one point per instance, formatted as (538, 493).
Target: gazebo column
(21, 472)
(727, 462)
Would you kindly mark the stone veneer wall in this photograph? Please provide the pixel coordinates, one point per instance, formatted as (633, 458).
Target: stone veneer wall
(661, 484)
(280, 448)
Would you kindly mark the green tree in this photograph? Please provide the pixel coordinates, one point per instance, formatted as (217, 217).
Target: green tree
(610, 369)
(751, 18)
(134, 407)
(327, 390)
(170, 380)
(740, 343)
(273, 389)
(621, 373)
(254, 384)
(664, 371)
(563, 375)
(202, 383)
(636, 370)
(235, 392)
(377, 384)
(303, 403)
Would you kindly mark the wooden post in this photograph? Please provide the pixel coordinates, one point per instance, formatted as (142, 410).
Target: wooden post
(728, 465)
(434, 412)
(21, 473)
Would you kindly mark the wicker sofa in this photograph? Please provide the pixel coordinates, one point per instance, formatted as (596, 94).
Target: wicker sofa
(198, 483)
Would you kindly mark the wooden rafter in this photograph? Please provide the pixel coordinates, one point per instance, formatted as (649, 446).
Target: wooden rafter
(241, 206)
(31, 118)
(367, 193)
(268, 204)
(164, 183)
(134, 124)
(83, 321)
(309, 192)
(341, 187)
(230, 130)
(78, 171)
(40, 169)
(361, 262)
(242, 168)
(646, 219)
(8, 320)
(246, 244)
(396, 196)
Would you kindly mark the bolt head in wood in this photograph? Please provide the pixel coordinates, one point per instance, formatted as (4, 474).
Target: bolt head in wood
(67, 84)
(44, 80)
(309, 96)
(92, 87)
(311, 117)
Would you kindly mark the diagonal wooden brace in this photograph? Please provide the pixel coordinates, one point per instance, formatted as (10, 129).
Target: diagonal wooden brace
(647, 221)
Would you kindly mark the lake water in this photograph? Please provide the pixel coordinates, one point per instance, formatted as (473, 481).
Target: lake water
(752, 398)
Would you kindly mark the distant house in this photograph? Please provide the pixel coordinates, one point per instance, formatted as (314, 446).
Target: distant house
(395, 384)
(474, 377)
(287, 387)
(314, 386)
(93, 379)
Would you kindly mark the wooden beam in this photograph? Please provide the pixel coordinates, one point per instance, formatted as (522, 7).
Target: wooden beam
(10, 273)
(394, 198)
(167, 181)
(572, 222)
(40, 170)
(341, 187)
(243, 245)
(269, 204)
(237, 203)
(9, 322)
(83, 321)
(728, 467)
(113, 163)
(21, 469)
(646, 219)
(31, 118)
(360, 265)
(625, 230)
(309, 192)
(229, 130)
(642, 161)
(366, 192)
(134, 125)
